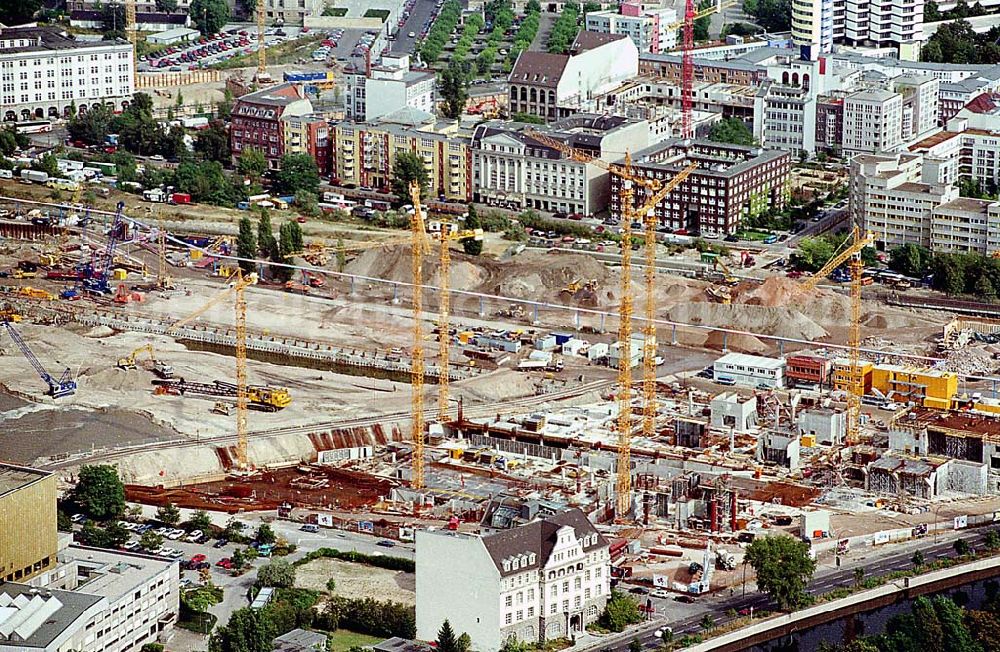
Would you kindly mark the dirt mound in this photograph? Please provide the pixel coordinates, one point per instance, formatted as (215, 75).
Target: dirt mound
(876, 321)
(781, 322)
(739, 343)
(821, 306)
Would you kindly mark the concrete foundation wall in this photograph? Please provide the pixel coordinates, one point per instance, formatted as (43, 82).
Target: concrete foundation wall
(966, 477)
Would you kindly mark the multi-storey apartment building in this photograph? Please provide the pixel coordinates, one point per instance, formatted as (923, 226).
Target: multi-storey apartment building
(731, 182)
(872, 121)
(544, 580)
(308, 134)
(513, 169)
(883, 22)
(812, 24)
(652, 30)
(45, 72)
(363, 153)
(893, 197)
(258, 120)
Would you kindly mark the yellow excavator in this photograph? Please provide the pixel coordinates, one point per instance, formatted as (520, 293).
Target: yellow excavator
(159, 368)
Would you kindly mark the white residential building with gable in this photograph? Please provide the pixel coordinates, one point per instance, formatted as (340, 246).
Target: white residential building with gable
(540, 581)
(872, 121)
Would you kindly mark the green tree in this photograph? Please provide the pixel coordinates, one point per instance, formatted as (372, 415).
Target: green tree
(407, 168)
(138, 131)
(783, 568)
(961, 547)
(152, 647)
(246, 245)
(707, 622)
(298, 172)
(464, 642)
(731, 130)
(702, 25)
(454, 90)
(266, 241)
(446, 641)
(620, 612)
(949, 274)
(63, 524)
(252, 163)
(48, 164)
(209, 15)
(992, 540)
(472, 246)
(125, 165)
(279, 573)
(16, 13)
(564, 29)
(931, 12)
(169, 514)
(341, 255)
(200, 520)
(248, 630)
(166, 6)
(239, 558)
(117, 535)
(917, 559)
(772, 15)
(859, 576)
(99, 492)
(113, 20)
(8, 142)
(171, 144)
(265, 535)
(984, 626)
(150, 541)
(910, 259)
(813, 253)
(307, 203)
(212, 142)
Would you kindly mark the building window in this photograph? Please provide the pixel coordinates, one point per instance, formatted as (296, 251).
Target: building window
(508, 618)
(508, 601)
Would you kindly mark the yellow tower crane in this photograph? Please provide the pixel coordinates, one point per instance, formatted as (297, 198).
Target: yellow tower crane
(131, 33)
(648, 214)
(630, 179)
(262, 76)
(238, 283)
(850, 254)
(419, 243)
(718, 7)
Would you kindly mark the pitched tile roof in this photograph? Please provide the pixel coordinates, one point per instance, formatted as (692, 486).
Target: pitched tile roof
(538, 68)
(538, 537)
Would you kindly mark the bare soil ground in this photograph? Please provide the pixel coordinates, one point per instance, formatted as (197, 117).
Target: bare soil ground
(358, 581)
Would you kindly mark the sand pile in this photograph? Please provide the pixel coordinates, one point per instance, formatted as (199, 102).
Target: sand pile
(539, 276)
(738, 343)
(781, 322)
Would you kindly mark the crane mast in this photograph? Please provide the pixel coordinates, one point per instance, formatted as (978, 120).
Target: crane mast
(417, 369)
(444, 336)
(623, 480)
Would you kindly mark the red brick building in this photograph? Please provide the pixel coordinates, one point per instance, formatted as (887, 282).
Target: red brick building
(257, 120)
(807, 369)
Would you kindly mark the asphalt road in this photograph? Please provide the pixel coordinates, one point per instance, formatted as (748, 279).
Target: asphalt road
(422, 12)
(824, 581)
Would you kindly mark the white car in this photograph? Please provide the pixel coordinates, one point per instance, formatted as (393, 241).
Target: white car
(194, 536)
(131, 545)
(175, 534)
(163, 551)
(412, 35)
(162, 531)
(660, 593)
(176, 554)
(126, 525)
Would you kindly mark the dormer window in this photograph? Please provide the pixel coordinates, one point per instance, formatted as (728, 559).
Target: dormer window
(506, 565)
(531, 558)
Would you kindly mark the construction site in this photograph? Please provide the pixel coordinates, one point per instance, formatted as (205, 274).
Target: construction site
(410, 385)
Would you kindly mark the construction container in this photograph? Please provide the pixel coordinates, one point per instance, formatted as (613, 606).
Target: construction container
(196, 254)
(465, 337)
(808, 441)
(119, 274)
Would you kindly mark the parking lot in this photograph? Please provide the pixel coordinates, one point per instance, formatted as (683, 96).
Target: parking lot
(232, 41)
(417, 20)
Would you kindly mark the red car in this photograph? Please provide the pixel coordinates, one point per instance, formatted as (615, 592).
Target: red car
(197, 559)
(225, 562)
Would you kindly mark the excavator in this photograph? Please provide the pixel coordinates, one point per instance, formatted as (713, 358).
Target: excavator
(161, 369)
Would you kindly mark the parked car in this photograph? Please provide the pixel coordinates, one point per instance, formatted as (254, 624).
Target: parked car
(193, 536)
(385, 543)
(78, 518)
(225, 562)
(221, 543)
(175, 534)
(197, 559)
(131, 545)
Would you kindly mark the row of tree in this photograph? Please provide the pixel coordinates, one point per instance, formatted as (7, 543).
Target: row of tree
(440, 32)
(772, 15)
(954, 274)
(933, 14)
(525, 33)
(260, 243)
(564, 29)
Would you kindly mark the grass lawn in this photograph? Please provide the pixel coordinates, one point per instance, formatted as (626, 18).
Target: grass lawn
(343, 640)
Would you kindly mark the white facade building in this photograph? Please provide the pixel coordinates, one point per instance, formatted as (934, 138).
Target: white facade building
(650, 29)
(391, 86)
(540, 581)
(44, 72)
(893, 197)
(812, 24)
(966, 225)
(512, 169)
(872, 121)
(93, 600)
(883, 22)
(750, 370)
